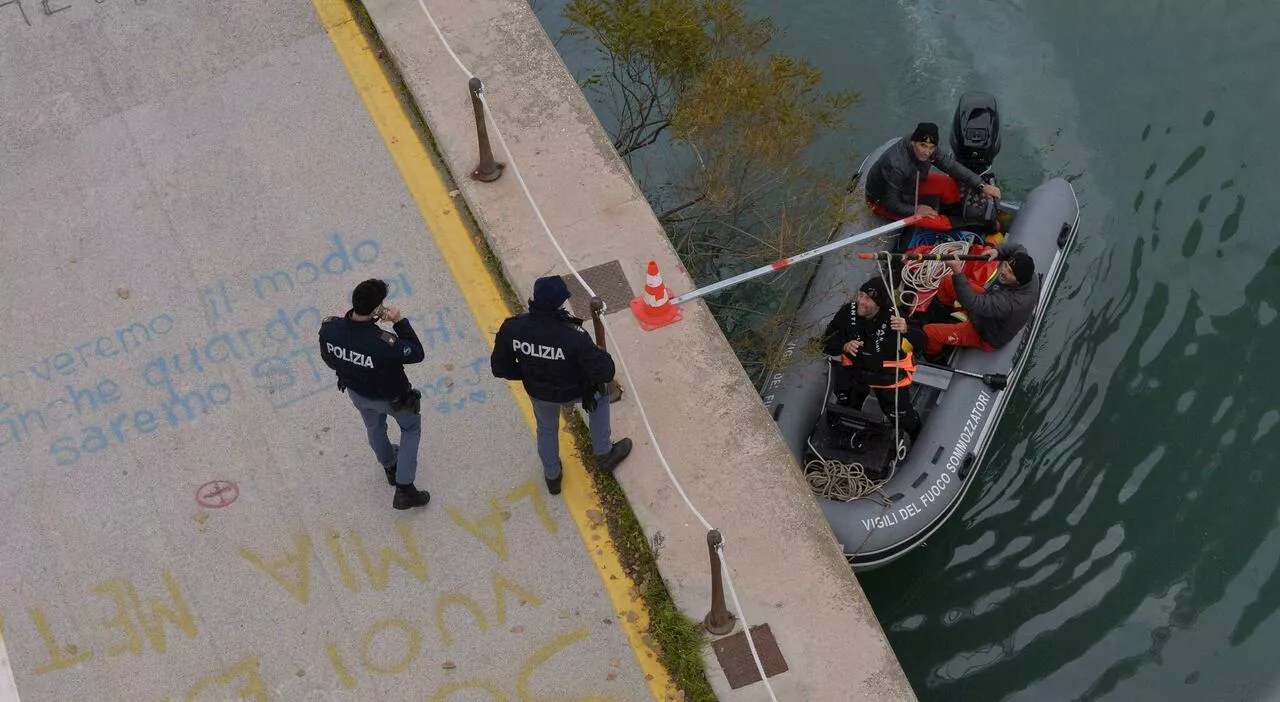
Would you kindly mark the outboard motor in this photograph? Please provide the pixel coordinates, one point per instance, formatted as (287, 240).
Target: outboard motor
(975, 131)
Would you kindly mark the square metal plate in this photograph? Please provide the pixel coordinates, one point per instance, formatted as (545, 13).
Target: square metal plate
(735, 656)
(609, 282)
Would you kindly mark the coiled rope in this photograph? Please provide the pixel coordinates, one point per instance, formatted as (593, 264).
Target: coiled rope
(920, 279)
(845, 482)
(836, 480)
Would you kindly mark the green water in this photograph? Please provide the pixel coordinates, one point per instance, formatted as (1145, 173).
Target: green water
(1121, 542)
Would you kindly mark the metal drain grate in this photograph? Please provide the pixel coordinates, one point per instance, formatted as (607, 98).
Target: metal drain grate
(609, 282)
(735, 656)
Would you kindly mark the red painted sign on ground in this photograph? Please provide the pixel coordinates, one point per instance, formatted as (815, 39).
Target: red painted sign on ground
(216, 494)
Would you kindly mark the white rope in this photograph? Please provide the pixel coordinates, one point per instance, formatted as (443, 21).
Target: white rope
(920, 279)
(746, 627)
(644, 417)
(836, 480)
(444, 41)
(515, 170)
(897, 440)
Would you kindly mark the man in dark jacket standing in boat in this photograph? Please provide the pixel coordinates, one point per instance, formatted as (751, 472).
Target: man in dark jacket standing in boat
(995, 314)
(900, 183)
(875, 347)
(548, 350)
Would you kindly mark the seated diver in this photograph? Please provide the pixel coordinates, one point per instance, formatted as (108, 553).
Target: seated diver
(901, 183)
(995, 313)
(874, 344)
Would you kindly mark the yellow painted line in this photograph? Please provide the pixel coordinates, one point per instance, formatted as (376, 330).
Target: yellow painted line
(480, 289)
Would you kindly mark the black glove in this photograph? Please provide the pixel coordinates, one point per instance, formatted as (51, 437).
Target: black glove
(590, 398)
(410, 401)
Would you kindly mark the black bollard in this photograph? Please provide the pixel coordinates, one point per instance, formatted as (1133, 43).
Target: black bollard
(489, 170)
(719, 620)
(597, 307)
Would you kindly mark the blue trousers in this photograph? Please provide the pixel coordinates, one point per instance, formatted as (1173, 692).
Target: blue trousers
(374, 413)
(547, 415)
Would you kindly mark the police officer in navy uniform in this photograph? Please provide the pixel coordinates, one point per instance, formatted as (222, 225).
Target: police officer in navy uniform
(370, 365)
(549, 351)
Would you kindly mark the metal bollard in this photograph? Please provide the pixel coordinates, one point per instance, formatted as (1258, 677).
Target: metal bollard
(597, 306)
(719, 620)
(489, 170)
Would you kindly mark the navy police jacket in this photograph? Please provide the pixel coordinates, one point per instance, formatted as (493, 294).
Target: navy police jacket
(552, 354)
(368, 359)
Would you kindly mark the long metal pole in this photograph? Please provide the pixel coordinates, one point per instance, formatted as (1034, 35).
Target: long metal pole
(785, 262)
(996, 381)
(883, 255)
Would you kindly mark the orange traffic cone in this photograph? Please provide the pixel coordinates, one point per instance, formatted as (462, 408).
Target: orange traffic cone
(654, 308)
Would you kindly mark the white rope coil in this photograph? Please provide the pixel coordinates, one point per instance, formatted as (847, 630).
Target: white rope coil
(835, 480)
(920, 279)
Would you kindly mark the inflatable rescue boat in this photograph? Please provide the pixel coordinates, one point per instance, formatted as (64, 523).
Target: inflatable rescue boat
(878, 518)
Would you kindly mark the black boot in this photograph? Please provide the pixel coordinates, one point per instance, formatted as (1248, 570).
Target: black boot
(911, 427)
(610, 460)
(390, 470)
(553, 484)
(935, 313)
(408, 497)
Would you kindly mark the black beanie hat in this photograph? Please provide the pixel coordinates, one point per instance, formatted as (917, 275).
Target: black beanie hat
(926, 132)
(877, 291)
(549, 292)
(1023, 266)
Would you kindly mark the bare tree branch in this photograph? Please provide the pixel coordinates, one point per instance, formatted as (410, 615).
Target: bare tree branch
(700, 75)
(678, 208)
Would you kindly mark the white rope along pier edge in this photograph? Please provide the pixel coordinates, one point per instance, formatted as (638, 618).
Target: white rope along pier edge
(515, 170)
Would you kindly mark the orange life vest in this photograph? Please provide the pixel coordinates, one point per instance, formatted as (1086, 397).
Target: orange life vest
(907, 365)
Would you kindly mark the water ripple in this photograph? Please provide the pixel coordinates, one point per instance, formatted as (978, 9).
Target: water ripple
(1265, 424)
(1049, 548)
(1139, 474)
(1087, 499)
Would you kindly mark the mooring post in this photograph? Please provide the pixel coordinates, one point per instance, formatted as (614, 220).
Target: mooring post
(719, 620)
(489, 170)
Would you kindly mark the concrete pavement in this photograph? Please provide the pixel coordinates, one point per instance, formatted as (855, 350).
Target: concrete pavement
(189, 510)
(788, 569)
